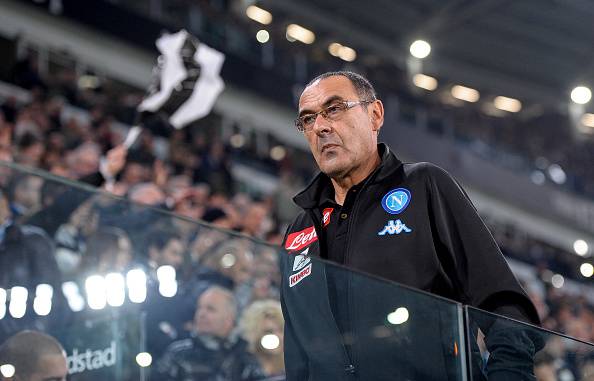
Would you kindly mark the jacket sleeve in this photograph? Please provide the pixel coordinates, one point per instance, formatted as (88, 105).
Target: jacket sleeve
(296, 363)
(469, 253)
(477, 268)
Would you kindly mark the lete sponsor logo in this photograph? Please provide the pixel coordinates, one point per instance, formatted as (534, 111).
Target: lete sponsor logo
(299, 240)
(301, 260)
(296, 278)
(326, 215)
(88, 359)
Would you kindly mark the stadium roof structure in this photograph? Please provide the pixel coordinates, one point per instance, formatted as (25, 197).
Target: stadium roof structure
(535, 49)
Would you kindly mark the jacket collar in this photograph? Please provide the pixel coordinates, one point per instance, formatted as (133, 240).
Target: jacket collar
(310, 197)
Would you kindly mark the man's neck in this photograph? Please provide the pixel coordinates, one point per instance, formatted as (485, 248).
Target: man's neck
(343, 184)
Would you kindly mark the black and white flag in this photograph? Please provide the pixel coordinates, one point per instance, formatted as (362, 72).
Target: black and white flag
(186, 82)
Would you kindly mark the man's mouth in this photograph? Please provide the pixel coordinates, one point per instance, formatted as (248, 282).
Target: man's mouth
(325, 147)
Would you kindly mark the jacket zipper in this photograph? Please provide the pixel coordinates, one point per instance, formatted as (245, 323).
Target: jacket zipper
(350, 303)
(349, 367)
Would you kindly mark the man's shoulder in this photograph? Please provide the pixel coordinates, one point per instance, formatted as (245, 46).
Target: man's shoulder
(301, 221)
(422, 167)
(180, 347)
(427, 171)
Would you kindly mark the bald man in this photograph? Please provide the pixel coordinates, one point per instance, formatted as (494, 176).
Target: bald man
(35, 356)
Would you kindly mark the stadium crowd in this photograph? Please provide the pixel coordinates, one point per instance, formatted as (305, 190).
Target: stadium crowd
(227, 284)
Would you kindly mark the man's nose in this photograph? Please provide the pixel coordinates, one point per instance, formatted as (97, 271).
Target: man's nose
(321, 125)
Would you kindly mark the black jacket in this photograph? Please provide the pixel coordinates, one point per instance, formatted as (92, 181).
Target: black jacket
(207, 358)
(428, 237)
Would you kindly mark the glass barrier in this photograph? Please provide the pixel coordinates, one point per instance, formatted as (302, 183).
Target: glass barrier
(342, 324)
(131, 292)
(505, 349)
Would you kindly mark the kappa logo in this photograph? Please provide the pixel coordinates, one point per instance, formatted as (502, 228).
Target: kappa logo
(326, 215)
(299, 240)
(396, 200)
(301, 260)
(296, 278)
(395, 227)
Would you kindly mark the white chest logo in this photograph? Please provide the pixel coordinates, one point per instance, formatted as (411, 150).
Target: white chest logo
(395, 227)
(301, 260)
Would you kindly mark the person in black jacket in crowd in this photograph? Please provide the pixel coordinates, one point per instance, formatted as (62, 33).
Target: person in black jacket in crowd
(215, 352)
(408, 223)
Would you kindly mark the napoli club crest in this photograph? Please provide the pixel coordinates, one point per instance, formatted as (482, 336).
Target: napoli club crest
(395, 201)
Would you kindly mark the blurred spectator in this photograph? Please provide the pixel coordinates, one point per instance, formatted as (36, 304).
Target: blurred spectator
(255, 220)
(215, 351)
(24, 193)
(147, 194)
(30, 149)
(164, 247)
(107, 250)
(262, 326)
(84, 160)
(71, 237)
(587, 369)
(35, 356)
(218, 218)
(26, 252)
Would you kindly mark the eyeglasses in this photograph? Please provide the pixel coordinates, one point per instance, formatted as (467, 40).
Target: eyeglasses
(333, 112)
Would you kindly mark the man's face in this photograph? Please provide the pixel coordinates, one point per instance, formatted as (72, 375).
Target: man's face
(52, 367)
(344, 145)
(173, 253)
(213, 315)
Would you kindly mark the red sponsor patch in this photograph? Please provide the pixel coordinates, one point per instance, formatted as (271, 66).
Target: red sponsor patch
(299, 240)
(326, 215)
(296, 278)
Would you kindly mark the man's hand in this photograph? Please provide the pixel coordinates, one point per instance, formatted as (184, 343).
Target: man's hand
(115, 159)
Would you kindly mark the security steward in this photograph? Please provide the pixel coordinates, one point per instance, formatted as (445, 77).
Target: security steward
(408, 223)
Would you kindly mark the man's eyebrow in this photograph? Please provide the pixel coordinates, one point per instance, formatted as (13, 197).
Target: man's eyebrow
(326, 103)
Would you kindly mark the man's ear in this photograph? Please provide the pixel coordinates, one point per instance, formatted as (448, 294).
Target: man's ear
(377, 115)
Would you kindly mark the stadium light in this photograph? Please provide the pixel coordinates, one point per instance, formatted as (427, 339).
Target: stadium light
(144, 359)
(262, 36)
(96, 289)
(507, 104)
(270, 341)
(42, 304)
(18, 302)
(228, 260)
(466, 94)
(425, 82)
(298, 33)
(581, 95)
(347, 54)
(334, 49)
(237, 140)
(258, 14)
(277, 153)
(72, 293)
(420, 49)
(3, 297)
(580, 247)
(399, 316)
(115, 289)
(588, 120)
(587, 270)
(7, 370)
(557, 174)
(167, 282)
(136, 282)
(558, 281)
(342, 51)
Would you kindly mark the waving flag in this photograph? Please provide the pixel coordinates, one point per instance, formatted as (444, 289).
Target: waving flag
(186, 80)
